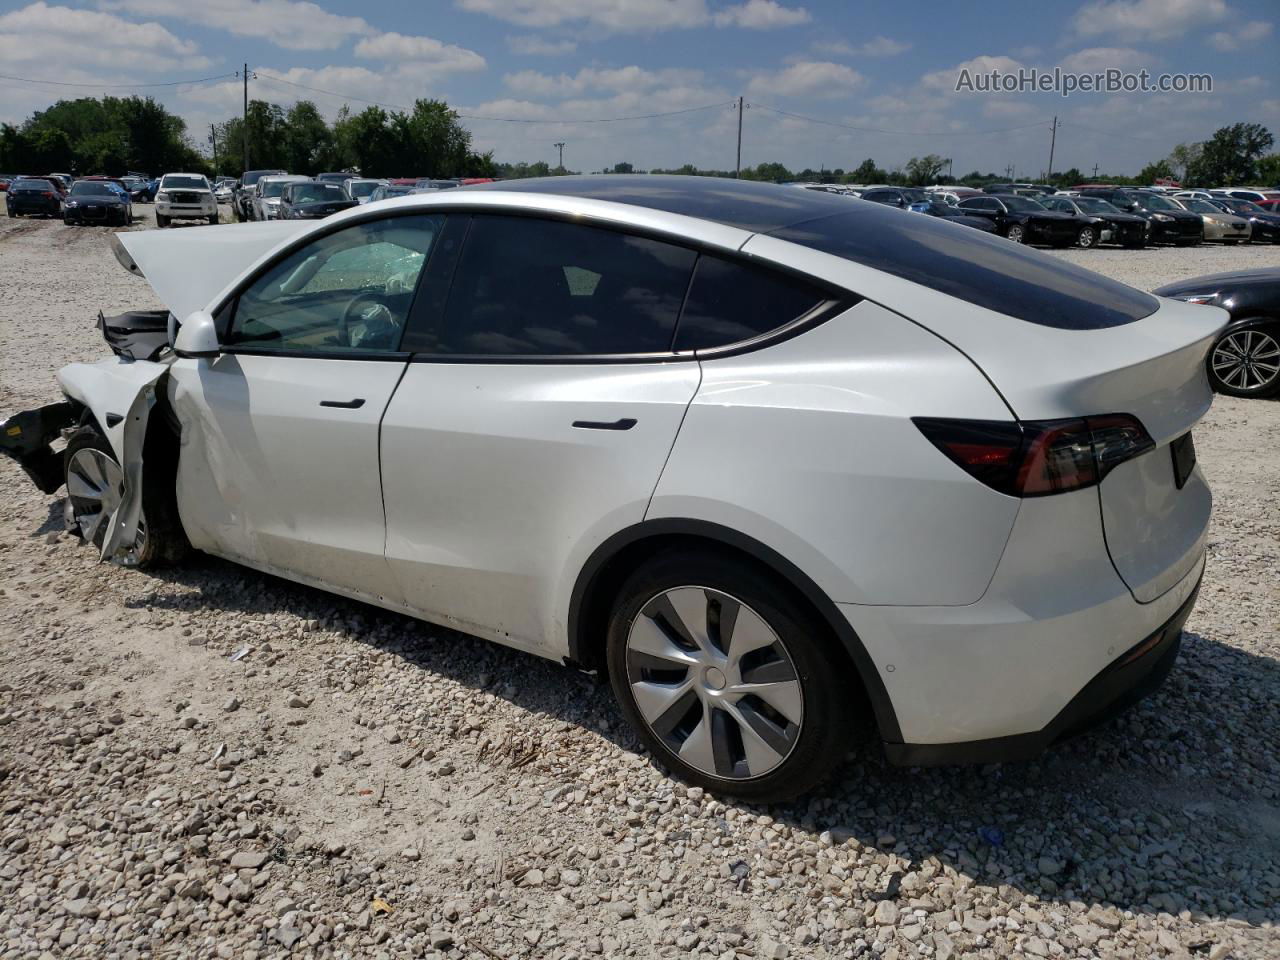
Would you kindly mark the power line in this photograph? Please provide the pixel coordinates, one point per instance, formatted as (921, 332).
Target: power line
(1107, 133)
(899, 133)
(475, 116)
(112, 86)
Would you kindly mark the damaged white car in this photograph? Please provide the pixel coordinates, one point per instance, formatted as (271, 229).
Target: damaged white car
(785, 466)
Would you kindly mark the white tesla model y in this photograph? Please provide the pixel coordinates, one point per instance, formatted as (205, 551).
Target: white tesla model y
(785, 465)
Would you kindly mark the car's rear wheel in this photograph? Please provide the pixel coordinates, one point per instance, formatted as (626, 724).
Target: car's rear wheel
(1246, 362)
(1087, 237)
(95, 485)
(731, 683)
(1016, 233)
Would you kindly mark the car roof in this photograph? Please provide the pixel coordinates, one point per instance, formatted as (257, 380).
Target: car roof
(747, 205)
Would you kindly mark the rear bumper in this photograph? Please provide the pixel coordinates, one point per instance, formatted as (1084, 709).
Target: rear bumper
(1127, 680)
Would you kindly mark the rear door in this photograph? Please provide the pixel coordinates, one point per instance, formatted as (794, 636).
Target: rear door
(279, 465)
(533, 421)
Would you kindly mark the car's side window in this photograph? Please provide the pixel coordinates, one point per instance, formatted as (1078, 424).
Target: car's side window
(730, 302)
(532, 287)
(348, 290)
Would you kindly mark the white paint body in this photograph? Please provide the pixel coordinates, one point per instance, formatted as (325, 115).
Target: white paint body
(462, 494)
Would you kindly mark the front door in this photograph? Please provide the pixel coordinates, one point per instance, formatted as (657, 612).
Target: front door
(279, 465)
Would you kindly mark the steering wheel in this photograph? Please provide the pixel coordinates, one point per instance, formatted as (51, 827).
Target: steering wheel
(362, 299)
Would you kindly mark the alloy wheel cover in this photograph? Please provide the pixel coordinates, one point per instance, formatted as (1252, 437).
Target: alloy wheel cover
(1247, 360)
(714, 682)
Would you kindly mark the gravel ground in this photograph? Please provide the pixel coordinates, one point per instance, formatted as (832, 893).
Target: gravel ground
(362, 785)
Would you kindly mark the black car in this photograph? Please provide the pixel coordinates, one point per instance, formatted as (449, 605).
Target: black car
(313, 200)
(97, 201)
(1169, 222)
(936, 208)
(29, 195)
(1245, 359)
(895, 196)
(1024, 220)
(1266, 225)
(1111, 225)
(242, 202)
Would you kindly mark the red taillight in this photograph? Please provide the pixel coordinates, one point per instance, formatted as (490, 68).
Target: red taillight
(46, 193)
(1037, 458)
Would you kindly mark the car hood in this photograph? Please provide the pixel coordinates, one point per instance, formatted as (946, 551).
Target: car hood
(165, 258)
(107, 199)
(314, 205)
(1117, 217)
(1220, 281)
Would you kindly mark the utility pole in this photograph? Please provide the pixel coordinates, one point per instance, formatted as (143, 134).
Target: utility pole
(560, 146)
(244, 122)
(737, 169)
(1009, 171)
(213, 138)
(1095, 171)
(1053, 140)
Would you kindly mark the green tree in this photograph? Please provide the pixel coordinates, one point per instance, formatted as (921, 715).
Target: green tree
(308, 139)
(1158, 170)
(1269, 171)
(770, 172)
(1182, 157)
(924, 170)
(867, 172)
(1230, 157)
(622, 168)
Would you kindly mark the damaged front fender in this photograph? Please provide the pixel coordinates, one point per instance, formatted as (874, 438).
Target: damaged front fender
(120, 395)
(27, 437)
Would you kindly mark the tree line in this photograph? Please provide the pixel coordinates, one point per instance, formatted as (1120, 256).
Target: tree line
(115, 134)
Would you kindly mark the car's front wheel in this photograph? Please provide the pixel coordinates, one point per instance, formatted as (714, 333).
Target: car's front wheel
(731, 683)
(1246, 362)
(161, 220)
(1016, 233)
(1087, 237)
(95, 486)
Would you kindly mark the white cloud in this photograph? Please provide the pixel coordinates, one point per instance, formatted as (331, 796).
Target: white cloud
(54, 37)
(291, 24)
(875, 47)
(761, 15)
(425, 52)
(944, 81)
(532, 45)
(593, 79)
(1252, 32)
(1097, 59)
(1146, 19)
(616, 15)
(819, 78)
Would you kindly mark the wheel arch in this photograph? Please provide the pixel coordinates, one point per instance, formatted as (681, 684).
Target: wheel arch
(610, 563)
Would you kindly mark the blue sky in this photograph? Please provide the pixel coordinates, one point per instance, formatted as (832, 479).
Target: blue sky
(881, 75)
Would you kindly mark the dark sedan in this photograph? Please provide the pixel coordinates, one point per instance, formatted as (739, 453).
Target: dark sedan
(937, 208)
(1265, 223)
(314, 200)
(895, 196)
(29, 195)
(97, 201)
(1110, 225)
(1169, 222)
(1024, 220)
(1245, 359)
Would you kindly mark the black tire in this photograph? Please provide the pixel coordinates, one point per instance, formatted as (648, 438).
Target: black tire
(818, 665)
(161, 220)
(213, 219)
(1016, 233)
(1087, 238)
(165, 543)
(1260, 342)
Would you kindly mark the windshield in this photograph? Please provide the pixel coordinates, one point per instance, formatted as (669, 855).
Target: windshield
(1090, 205)
(33, 185)
(315, 192)
(173, 182)
(1200, 206)
(86, 188)
(362, 188)
(1153, 202)
(274, 188)
(1021, 204)
(1244, 206)
(398, 190)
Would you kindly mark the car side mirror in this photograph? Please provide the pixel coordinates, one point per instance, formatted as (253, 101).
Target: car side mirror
(197, 337)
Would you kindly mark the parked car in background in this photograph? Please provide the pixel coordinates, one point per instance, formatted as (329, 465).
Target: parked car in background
(1024, 220)
(224, 191)
(137, 187)
(62, 180)
(427, 183)
(1219, 225)
(243, 203)
(738, 448)
(387, 190)
(1256, 194)
(361, 188)
(29, 196)
(950, 212)
(1245, 358)
(313, 200)
(97, 201)
(267, 192)
(1169, 222)
(1264, 224)
(1271, 206)
(901, 197)
(339, 177)
(185, 196)
(1112, 225)
(6, 179)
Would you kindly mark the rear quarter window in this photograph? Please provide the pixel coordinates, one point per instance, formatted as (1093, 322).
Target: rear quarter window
(979, 268)
(729, 302)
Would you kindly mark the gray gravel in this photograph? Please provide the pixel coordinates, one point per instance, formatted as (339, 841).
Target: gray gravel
(362, 785)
